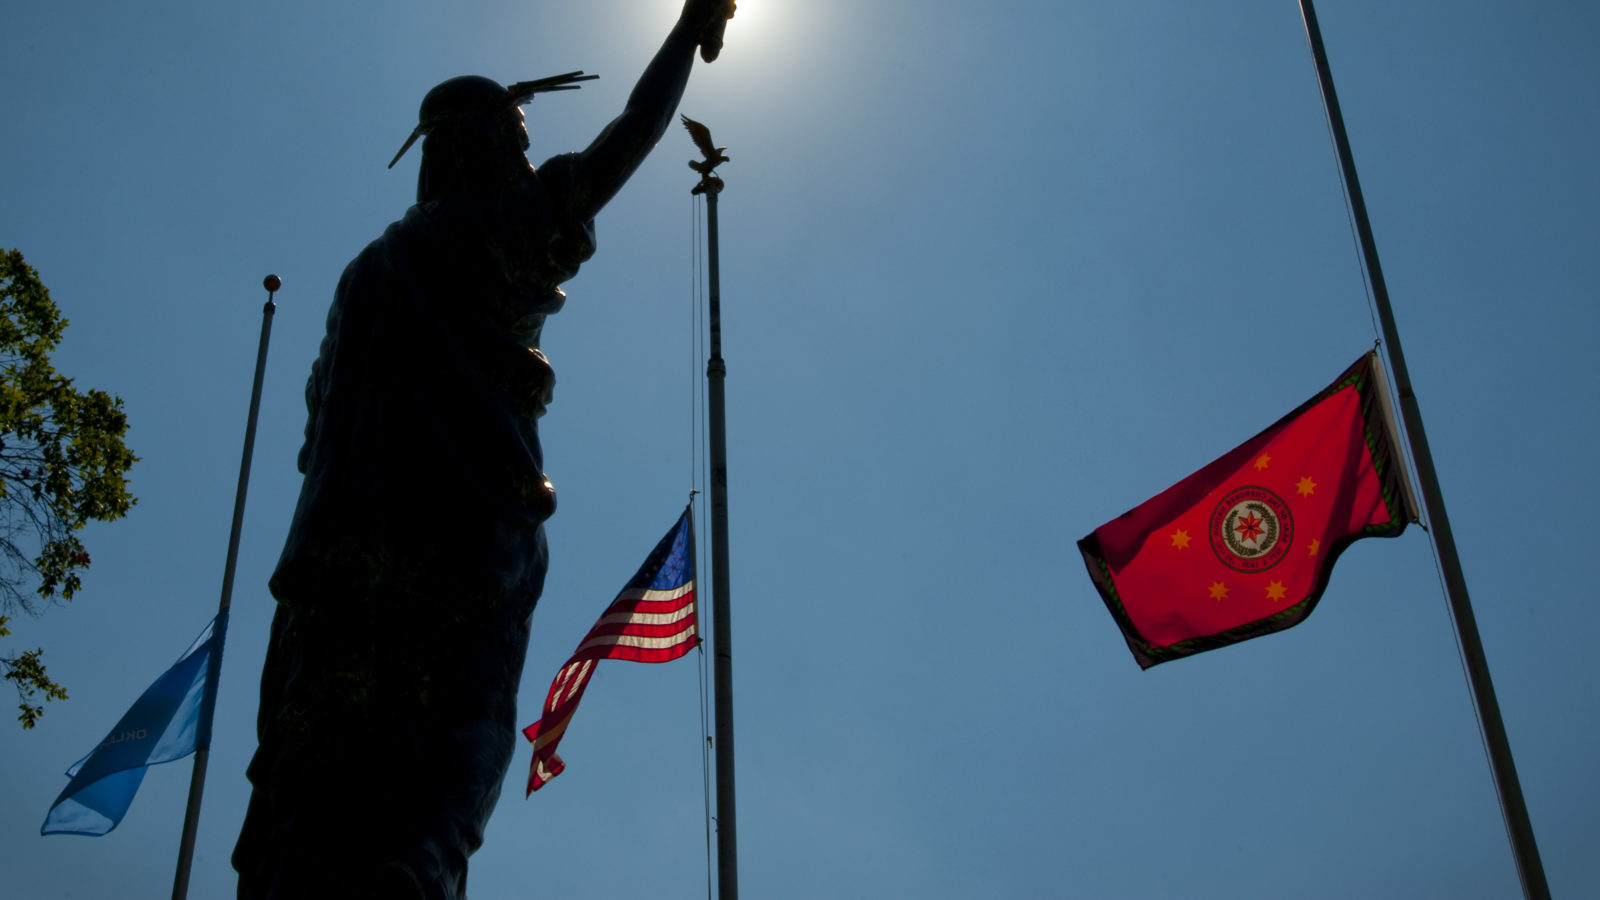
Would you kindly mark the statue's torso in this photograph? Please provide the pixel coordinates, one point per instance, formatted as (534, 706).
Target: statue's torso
(424, 400)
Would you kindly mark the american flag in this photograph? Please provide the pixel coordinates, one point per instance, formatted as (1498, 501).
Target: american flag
(652, 620)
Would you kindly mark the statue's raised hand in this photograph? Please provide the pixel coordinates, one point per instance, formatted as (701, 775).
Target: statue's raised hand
(709, 18)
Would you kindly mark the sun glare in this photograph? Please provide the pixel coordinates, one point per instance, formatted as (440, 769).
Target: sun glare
(763, 44)
(748, 17)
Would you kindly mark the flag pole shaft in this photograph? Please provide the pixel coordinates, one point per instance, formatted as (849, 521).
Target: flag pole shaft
(722, 675)
(1529, 868)
(197, 781)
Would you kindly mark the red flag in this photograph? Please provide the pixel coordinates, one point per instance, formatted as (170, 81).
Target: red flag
(1244, 547)
(652, 620)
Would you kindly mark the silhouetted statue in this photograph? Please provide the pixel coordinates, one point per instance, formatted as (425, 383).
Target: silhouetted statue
(417, 551)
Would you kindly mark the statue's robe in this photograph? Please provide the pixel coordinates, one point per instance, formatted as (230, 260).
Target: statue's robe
(408, 580)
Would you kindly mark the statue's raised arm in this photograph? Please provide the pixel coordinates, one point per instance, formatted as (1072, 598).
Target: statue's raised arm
(606, 164)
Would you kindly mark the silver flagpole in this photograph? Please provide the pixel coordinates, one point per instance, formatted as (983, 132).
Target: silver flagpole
(197, 781)
(722, 643)
(1512, 805)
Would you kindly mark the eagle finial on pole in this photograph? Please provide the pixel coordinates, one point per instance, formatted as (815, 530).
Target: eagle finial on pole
(713, 154)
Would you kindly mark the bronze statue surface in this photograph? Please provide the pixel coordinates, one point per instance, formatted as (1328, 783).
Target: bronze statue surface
(416, 554)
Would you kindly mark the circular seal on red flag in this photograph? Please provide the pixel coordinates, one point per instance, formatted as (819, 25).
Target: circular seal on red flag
(1251, 529)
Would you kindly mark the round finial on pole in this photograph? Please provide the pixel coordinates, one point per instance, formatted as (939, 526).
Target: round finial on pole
(272, 283)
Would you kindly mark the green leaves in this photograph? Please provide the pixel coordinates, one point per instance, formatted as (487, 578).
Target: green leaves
(28, 674)
(63, 464)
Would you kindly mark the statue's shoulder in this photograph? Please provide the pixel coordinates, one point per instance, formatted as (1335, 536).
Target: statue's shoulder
(560, 168)
(562, 178)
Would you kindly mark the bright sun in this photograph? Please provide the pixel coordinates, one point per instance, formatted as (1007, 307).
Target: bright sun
(763, 34)
(747, 16)
(747, 12)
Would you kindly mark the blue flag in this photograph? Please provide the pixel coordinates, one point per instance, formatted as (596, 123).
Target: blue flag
(171, 720)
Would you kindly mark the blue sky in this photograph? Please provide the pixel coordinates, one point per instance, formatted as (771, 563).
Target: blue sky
(991, 276)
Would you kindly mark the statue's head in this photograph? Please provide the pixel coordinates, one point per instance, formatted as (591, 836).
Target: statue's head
(473, 136)
(473, 132)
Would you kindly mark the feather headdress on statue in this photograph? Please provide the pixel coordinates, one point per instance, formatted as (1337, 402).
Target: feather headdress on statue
(470, 95)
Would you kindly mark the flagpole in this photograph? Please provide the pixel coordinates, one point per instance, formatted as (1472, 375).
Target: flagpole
(202, 755)
(722, 644)
(1529, 867)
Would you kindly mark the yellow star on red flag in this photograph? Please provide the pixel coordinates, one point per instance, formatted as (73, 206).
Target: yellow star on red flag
(1306, 486)
(1219, 591)
(1180, 538)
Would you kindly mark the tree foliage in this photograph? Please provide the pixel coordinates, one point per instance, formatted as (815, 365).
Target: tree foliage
(62, 464)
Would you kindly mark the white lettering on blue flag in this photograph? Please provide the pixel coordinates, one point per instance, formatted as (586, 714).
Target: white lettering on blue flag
(167, 722)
